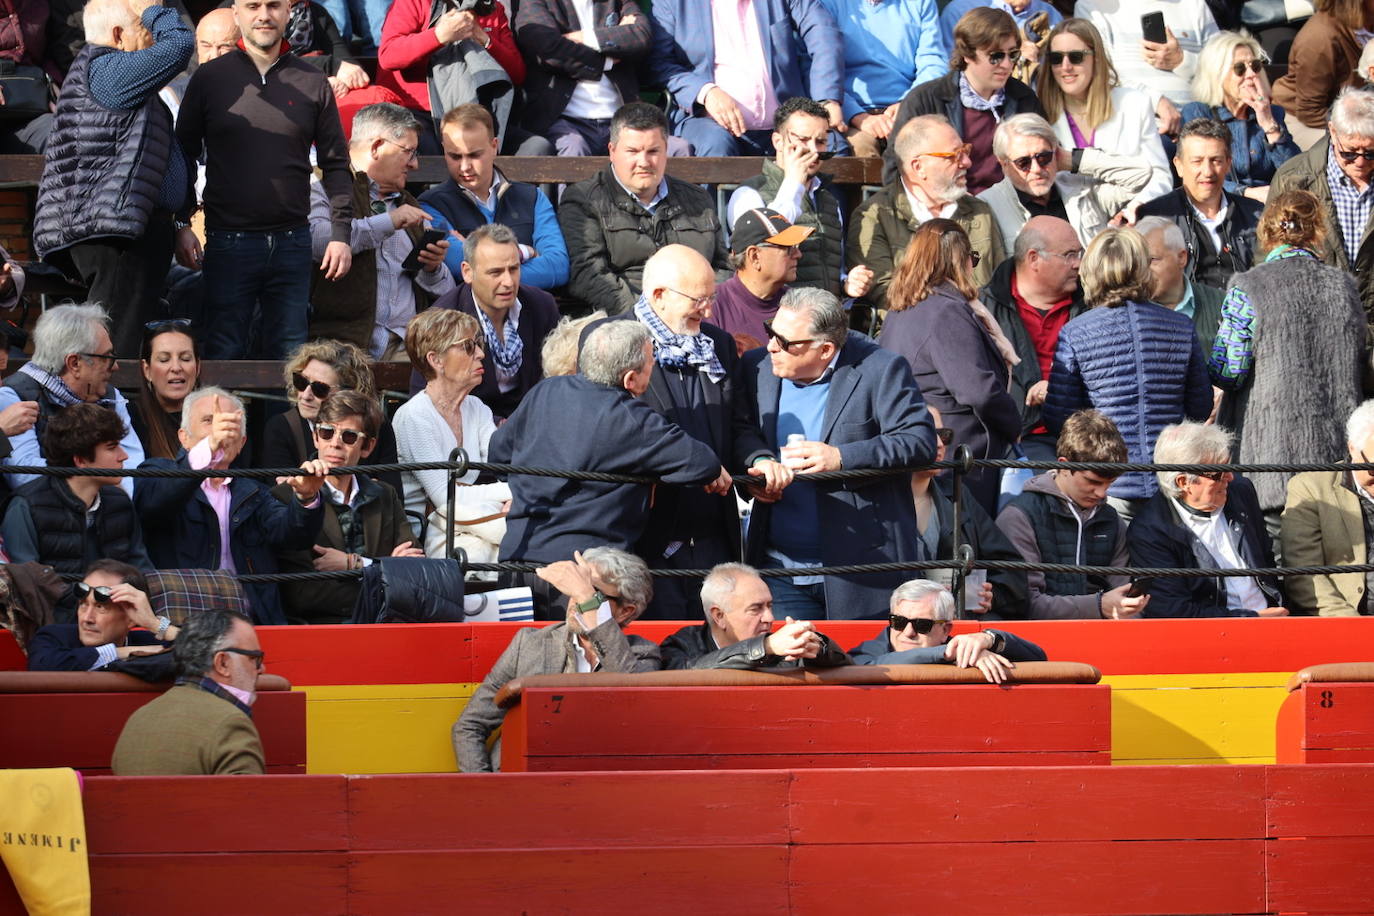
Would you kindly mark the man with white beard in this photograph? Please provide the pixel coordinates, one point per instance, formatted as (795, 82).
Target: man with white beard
(934, 164)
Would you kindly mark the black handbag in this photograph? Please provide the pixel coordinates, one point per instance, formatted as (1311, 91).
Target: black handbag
(27, 91)
(1257, 15)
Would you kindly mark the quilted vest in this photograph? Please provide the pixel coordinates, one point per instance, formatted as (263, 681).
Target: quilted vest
(514, 208)
(103, 167)
(1056, 533)
(822, 256)
(60, 520)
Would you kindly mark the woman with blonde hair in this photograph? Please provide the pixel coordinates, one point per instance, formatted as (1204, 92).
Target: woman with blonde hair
(957, 352)
(1089, 108)
(1137, 362)
(1231, 86)
(1291, 348)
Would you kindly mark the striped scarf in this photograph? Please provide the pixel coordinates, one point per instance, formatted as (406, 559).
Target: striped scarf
(679, 351)
(509, 352)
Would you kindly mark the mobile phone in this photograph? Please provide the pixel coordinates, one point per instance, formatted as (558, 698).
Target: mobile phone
(430, 236)
(1139, 587)
(825, 154)
(1152, 26)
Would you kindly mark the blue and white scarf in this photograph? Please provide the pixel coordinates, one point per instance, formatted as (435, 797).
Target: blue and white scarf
(970, 99)
(54, 386)
(679, 351)
(507, 353)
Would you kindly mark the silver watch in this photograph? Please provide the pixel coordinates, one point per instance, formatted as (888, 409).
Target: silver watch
(163, 623)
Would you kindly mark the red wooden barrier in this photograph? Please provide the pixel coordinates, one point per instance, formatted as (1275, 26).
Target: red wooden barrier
(80, 729)
(1072, 840)
(663, 728)
(1328, 715)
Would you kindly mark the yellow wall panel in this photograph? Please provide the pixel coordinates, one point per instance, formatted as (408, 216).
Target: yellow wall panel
(383, 728)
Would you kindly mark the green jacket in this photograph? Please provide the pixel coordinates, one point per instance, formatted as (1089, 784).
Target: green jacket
(188, 732)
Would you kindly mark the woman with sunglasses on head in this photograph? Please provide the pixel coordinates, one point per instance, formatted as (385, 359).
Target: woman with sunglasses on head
(313, 371)
(1232, 87)
(171, 370)
(1291, 349)
(1090, 109)
(1002, 594)
(111, 599)
(958, 353)
(445, 347)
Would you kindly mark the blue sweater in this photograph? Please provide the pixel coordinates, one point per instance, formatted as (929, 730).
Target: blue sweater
(889, 47)
(956, 10)
(546, 270)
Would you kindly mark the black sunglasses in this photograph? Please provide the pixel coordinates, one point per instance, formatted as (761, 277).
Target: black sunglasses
(154, 328)
(1254, 65)
(349, 436)
(944, 434)
(257, 655)
(783, 342)
(1212, 475)
(319, 389)
(1042, 159)
(1350, 155)
(921, 625)
(996, 57)
(102, 593)
(1075, 58)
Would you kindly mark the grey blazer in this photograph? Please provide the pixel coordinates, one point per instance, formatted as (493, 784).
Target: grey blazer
(545, 651)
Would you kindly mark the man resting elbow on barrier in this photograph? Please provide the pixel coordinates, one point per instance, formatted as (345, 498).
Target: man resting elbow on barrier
(606, 589)
(114, 598)
(739, 616)
(918, 634)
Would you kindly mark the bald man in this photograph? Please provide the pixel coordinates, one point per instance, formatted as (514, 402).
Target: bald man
(216, 35)
(693, 385)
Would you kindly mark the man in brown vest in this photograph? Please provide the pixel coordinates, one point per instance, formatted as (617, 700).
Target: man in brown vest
(371, 305)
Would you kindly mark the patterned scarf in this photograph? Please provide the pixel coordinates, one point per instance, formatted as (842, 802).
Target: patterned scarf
(58, 388)
(970, 99)
(679, 351)
(300, 32)
(507, 353)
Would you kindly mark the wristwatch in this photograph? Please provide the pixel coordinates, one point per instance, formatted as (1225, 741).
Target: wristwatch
(591, 604)
(163, 623)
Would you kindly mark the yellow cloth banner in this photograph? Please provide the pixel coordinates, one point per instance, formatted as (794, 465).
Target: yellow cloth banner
(43, 840)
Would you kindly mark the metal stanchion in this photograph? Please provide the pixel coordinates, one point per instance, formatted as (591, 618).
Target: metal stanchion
(459, 457)
(963, 463)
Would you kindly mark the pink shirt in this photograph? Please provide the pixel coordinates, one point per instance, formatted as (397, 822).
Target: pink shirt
(216, 490)
(740, 66)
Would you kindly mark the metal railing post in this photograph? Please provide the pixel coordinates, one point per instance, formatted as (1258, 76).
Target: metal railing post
(963, 464)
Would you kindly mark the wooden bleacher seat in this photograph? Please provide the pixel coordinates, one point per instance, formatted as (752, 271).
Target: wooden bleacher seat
(1328, 715)
(899, 715)
(73, 718)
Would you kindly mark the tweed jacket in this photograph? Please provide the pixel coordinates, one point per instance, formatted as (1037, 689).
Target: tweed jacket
(188, 732)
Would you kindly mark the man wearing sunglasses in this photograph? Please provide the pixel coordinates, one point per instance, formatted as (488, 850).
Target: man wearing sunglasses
(203, 726)
(1339, 170)
(113, 599)
(921, 613)
(363, 518)
(1087, 187)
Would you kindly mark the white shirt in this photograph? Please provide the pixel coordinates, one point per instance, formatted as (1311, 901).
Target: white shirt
(603, 614)
(1213, 226)
(592, 99)
(1119, 22)
(1216, 535)
(919, 210)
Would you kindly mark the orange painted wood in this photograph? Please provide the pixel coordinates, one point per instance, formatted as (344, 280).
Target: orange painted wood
(1314, 801)
(1327, 723)
(209, 884)
(665, 879)
(80, 729)
(1008, 805)
(1288, 730)
(572, 727)
(1321, 875)
(582, 763)
(546, 811)
(1056, 879)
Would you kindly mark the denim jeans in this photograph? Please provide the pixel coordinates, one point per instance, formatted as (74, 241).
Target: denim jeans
(362, 16)
(800, 602)
(266, 270)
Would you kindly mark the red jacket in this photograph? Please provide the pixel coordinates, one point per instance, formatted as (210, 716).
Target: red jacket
(408, 41)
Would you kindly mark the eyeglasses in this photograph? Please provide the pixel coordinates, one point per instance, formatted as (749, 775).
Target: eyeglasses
(319, 389)
(783, 342)
(101, 593)
(112, 357)
(257, 655)
(468, 345)
(785, 248)
(412, 152)
(349, 436)
(996, 57)
(974, 257)
(1042, 159)
(1350, 155)
(919, 625)
(1069, 257)
(1075, 58)
(1255, 65)
(154, 328)
(706, 302)
(959, 152)
(944, 434)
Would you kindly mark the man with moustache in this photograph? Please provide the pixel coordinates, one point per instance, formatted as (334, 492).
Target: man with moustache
(254, 115)
(933, 182)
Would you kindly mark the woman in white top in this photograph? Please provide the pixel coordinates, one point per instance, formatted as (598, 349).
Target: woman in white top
(445, 346)
(1083, 99)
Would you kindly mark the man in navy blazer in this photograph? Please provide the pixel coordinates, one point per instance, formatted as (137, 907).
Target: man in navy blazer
(854, 406)
(723, 108)
(113, 598)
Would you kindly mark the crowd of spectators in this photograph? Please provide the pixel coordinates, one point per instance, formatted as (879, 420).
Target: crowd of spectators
(1095, 242)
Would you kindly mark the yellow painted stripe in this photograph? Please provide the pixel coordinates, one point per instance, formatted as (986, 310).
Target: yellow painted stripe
(1157, 719)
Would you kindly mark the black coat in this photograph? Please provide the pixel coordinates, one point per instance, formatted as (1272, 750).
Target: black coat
(1156, 538)
(1010, 593)
(1237, 235)
(878, 651)
(58, 647)
(694, 647)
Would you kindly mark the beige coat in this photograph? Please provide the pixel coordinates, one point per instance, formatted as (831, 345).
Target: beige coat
(1323, 526)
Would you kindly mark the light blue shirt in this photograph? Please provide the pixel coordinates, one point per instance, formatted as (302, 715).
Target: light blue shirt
(956, 10)
(25, 450)
(889, 47)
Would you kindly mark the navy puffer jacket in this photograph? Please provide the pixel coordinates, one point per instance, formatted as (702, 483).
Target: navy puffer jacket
(1140, 364)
